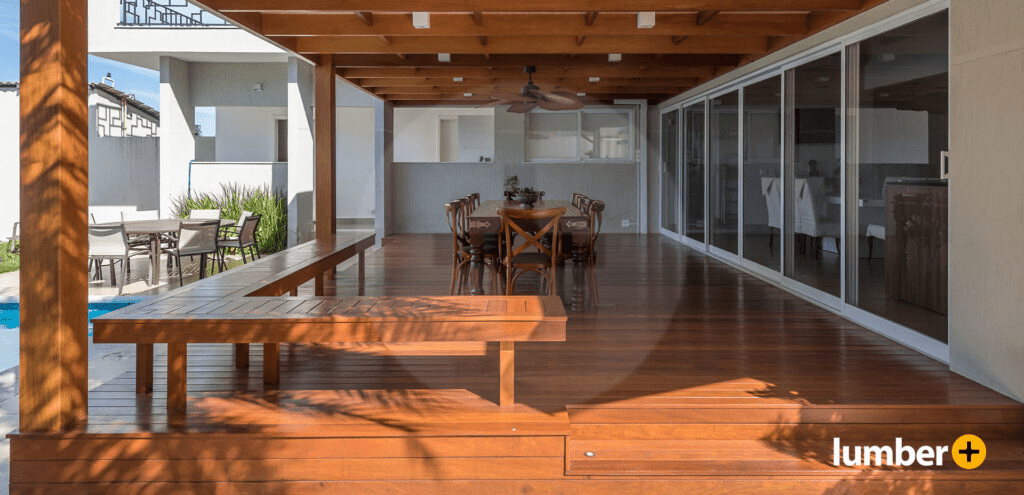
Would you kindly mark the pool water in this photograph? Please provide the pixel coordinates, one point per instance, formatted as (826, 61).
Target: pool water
(10, 320)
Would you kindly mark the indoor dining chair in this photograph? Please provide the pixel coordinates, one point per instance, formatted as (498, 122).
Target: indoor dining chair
(531, 255)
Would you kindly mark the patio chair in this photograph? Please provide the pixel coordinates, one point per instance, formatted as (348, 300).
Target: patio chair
(196, 239)
(205, 214)
(14, 241)
(244, 237)
(518, 260)
(111, 243)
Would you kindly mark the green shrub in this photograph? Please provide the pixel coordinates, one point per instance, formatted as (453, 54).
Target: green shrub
(272, 234)
(9, 261)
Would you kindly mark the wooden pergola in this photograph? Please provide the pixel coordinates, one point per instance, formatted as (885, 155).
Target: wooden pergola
(373, 44)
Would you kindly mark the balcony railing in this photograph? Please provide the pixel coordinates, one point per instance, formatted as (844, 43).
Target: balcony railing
(167, 13)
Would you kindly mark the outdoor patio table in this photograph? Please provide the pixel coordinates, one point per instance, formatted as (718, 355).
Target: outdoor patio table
(153, 228)
(485, 220)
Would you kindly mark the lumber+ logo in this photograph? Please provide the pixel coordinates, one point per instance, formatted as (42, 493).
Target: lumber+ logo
(968, 452)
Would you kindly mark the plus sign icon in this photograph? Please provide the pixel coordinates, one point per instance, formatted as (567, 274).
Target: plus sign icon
(968, 451)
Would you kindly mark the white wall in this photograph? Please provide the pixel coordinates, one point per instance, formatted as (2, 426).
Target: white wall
(124, 171)
(232, 84)
(248, 134)
(10, 162)
(356, 181)
(416, 131)
(210, 177)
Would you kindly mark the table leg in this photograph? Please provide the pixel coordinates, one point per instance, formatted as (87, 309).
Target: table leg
(507, 375)
(476, 270)
(154, 259)
(271, 364)
(143, 368)
(177, 370)
(362, 273)
(241, 356)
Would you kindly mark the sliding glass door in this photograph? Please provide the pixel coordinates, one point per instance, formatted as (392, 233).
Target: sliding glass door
(693, 171)
(762, 172)
(723, 195)
(670, 171)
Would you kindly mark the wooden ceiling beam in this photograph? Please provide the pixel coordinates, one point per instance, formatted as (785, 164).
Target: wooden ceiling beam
(519, 80)
(365, 17)
(531, 44)
(669, 24)
(513, 89)
(590, 18)
(517, 61)
(369, 74)
(525, 5)
(706, 15)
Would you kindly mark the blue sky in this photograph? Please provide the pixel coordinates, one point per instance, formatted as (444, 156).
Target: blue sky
(144, 83)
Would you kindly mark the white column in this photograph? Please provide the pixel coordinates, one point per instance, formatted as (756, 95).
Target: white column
(177, 141)
(300, 151)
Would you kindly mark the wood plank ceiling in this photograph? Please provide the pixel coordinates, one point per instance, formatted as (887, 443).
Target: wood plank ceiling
(375, 45)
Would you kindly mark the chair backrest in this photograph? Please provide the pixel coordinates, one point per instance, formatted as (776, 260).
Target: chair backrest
(241, 218)
(92, 218)
(140, 215)
(214, 213)
(476, 199)
(808, 209)
(771, 190)
(107, 241)
(596, 217)
(531, 226)
(247, 234)
(198, 237)
(15, 232)
(453, 212)
(576, 198)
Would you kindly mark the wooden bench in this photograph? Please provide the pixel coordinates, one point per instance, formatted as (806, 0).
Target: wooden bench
(248, 308)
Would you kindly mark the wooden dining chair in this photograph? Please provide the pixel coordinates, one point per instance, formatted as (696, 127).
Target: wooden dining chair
(576, 197)
(531, 255)
(461, 248)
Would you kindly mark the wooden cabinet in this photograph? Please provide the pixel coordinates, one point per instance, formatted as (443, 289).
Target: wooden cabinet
(916, 242)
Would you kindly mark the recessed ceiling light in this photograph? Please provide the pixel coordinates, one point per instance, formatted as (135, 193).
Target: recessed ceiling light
(823, 79)
(615, 57)
(421, 20)
(645, 20)
(457, 79)
(467, 94)
(594, 79)
(581, 94)
(444, 57)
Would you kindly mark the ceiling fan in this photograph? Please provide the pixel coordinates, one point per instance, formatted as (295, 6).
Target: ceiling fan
(532, 96)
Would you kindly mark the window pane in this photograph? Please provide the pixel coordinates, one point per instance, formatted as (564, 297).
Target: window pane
(902, 207)
(762, 169)
(606, 135)
(551, 136)
(723, 198)
(813, 103)
(693, 177)
(670, 171)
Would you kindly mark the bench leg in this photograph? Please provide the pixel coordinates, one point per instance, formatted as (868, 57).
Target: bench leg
(177, 367)
(272, 364)
(318, 285)
(362, 273)
(241, 356)
(143, 368)
(294, 292)
(332, 274)
(507, 379)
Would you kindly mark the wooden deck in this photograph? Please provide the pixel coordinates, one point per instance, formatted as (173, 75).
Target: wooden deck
(688, 377)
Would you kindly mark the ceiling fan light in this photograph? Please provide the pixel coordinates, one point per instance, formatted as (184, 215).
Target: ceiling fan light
(594, 79)
(444, 57)
(421, 20)
(644, 20)
(615, 57)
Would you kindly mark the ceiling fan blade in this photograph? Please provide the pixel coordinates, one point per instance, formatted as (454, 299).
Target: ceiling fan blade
(559, 100)
(522, 106)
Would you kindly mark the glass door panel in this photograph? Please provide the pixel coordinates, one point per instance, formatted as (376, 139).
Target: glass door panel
(723, 195)
(899, 90)
(762, 172)
(693, 167)
(670, 171)
(813, 213)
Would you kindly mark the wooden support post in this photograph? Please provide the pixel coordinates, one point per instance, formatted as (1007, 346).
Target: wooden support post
(295, 292)
(362, 273)
(272, 364)
(177, 376)
(143, 368)
(54, 204)
(326, 148)
(318, 285)
(241, 356)
(507, 374)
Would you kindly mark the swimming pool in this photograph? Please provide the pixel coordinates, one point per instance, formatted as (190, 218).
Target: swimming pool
(10, 320)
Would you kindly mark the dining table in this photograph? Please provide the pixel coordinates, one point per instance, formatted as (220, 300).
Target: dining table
(485, 220)
(154, 229)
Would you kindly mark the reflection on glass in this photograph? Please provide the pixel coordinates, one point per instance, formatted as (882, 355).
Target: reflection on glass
(605, 135)
(693, 178)
(901, 220)
(813, 102)
(551, 136)
(723, 197)
(670, 171)
(762, 172)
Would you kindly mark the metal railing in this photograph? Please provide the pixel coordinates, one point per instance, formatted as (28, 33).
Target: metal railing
(167, 13)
